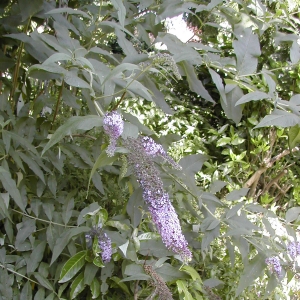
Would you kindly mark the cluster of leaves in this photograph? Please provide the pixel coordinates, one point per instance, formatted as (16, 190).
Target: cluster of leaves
(63, 65)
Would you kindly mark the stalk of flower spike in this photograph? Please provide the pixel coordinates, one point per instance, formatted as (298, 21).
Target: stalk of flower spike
(113, 126)
(142, 151)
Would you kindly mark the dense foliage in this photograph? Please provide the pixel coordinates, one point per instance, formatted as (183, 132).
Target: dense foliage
(132, 171)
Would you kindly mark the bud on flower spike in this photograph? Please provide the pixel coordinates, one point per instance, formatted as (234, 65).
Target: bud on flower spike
(113, 126)
(142, 152)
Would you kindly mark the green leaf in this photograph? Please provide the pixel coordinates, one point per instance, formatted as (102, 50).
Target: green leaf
(247, 49)
(192, 164)
(69, 11)
(194, 83)
(279, 118)
(28, 9)
(233, 94)
(26, 293)
(62, 241)
(237, 194)
(33, 166)
(292, 214)
(119, 69)
(90, 273)
(119, 6)
(219, 84)
(4, 204)
(182, 288)
(72, 124)
(192, 272)
(118, 225)
(43, 281)
(77, 286)
(102, 160)
(72, 266)
(252, 270)
(294, 136)
(253, 96)
(35, 257)
(10, 186)
(95, 288)
(57, 57)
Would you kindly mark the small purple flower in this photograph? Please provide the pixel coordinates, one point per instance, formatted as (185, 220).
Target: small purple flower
(292, 249)
(104, 243)
(274, 263)
(113, 126)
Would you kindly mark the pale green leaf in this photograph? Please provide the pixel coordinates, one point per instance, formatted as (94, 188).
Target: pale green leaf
(72, 124)
(294, 136)
(69, 11)
(253, 96)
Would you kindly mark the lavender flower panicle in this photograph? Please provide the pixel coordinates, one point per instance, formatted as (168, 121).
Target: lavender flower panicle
(142, 151)
(293, 249)
(104, 243)
(113, 126)
(274, 263)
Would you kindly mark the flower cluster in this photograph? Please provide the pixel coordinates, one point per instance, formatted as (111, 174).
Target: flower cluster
(293, 249)
(104, 243)
(161, 288)
(274, 264)
(142, 151)
(113, 126)
(164, 59)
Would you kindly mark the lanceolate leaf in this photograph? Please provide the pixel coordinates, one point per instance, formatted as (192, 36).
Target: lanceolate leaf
(279, 118)
(72, 266)
(254, 269)
(77, 285)
(68, 10)
(294, 136)
(257, 95)
(247, 50)
(72, 124)
(10, 186)
(63, 240)
(194, 83)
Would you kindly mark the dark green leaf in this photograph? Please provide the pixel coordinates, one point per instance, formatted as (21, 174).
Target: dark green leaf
(11, 187)
(26, 293)
(237, 194)
(63, 240)
(43, 281)
(95, 288)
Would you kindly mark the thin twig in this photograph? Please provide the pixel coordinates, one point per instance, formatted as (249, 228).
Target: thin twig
(42, 220)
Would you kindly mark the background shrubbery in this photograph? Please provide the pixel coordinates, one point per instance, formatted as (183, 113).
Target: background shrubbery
(226, 108)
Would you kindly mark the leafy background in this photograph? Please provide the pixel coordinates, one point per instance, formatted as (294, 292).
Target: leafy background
(232, 122)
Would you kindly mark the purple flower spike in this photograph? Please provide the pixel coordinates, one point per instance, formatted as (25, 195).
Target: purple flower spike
(113, 126)
(104, 243)
(142, 152)
(274, 263)
(292, 249)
